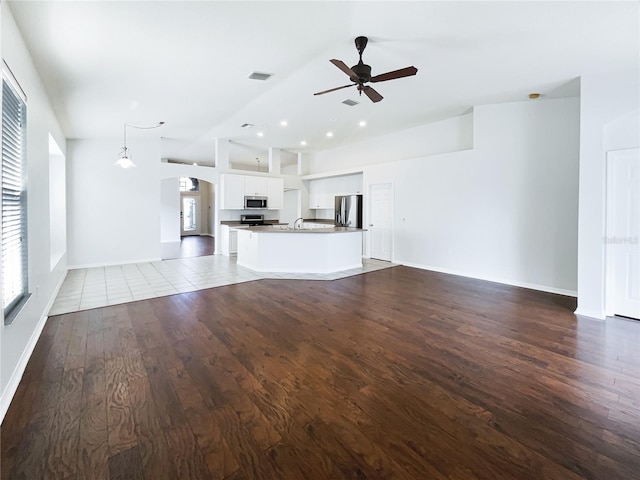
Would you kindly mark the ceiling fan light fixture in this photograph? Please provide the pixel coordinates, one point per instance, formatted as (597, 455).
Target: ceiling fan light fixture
(124, 158)
(124, 162)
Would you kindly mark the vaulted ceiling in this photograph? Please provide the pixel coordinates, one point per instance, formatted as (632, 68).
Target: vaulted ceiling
(187, 64)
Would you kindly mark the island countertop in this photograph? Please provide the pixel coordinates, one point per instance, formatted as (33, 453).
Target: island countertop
(313, 250)
(288, 230)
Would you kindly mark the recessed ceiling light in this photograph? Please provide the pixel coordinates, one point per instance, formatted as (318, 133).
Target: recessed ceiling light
(329, 134)
(534, 95)
(283, 123)
(363, 123)
(195, 164)
(260, 134)
(303, 142)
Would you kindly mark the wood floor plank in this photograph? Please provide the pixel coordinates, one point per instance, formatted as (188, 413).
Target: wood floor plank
(399, 373)
(126, 465)
(62, 457)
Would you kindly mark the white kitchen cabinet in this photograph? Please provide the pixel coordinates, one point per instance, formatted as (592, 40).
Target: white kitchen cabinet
(233, 241)
(321, 200)
(232, 192)
(228, 240)
(317, 225)
(275, 193)
(255, 186)
(233, 189)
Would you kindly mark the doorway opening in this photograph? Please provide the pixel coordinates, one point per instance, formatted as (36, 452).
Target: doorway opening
(187, 217)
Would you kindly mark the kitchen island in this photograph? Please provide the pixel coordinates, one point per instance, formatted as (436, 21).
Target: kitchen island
(317, 250)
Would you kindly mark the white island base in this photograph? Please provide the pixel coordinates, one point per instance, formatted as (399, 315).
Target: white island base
(321, 251)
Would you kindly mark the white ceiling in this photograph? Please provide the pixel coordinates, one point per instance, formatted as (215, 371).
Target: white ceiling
(187, 63)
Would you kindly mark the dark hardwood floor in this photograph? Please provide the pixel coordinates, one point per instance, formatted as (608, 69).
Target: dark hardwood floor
(196, 246)
(398, 373)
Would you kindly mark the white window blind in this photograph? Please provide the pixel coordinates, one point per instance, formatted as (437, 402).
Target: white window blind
(14, 202)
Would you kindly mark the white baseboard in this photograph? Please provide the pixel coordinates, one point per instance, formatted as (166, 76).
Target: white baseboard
(16, 375)
(594, 314)
(113, 264)
(531, 286)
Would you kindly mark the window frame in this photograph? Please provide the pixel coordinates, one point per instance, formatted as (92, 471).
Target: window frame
(16, 187)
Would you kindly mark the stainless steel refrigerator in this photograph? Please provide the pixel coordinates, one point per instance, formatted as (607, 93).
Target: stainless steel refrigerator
(348, 211)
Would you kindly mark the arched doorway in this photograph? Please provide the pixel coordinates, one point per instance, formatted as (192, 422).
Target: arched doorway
(187, 217)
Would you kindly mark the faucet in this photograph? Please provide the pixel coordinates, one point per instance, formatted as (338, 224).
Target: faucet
(296, 221)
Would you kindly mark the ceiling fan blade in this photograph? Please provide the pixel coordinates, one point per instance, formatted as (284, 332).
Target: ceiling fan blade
(342, 66)
(372, 94)
(334, 89)
(403, 72)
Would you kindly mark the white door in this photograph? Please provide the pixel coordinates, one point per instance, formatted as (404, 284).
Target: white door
(189, 214)
(381, 201)
(623, 244)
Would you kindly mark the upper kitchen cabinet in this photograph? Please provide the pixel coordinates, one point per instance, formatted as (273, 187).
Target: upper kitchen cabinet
(231, 192)
(255, 186)
(233, 189)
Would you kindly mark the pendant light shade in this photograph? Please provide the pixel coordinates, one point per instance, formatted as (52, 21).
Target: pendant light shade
(124, 158)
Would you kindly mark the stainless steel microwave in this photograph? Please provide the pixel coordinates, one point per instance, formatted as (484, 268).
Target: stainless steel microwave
(255, 202)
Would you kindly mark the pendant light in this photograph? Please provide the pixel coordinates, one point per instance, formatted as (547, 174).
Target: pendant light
(124, 158)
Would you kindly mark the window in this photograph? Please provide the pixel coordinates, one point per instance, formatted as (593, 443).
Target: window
(14, 199)
(188, 184)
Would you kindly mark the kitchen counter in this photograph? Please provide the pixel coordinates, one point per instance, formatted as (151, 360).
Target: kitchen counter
(318, 250)
(290, 230)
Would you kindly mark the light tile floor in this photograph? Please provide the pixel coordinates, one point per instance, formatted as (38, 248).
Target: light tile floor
(96, 287)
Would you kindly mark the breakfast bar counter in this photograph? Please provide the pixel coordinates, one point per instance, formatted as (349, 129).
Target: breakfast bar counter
(317, 250)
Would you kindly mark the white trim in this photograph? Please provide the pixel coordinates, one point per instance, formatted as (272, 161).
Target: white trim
(531, 286)
(16, 376)
(7, 74)
(335, 173)
(593, 314)
(113, 264)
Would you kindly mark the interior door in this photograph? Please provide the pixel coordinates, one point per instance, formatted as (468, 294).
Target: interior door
(189, 214)
(381, 215)
(623, 243)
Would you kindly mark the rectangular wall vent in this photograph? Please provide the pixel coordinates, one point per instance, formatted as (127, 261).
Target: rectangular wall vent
(351, 103)
(260, 76)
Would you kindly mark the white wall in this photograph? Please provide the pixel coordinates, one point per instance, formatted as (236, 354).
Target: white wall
(608, 121)
(170, 217)
(57, 203)
(113, 213)
(504, 211)
(451, 135)
(18, 339)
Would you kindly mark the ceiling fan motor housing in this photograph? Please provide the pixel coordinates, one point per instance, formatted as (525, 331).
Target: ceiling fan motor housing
(362, 71)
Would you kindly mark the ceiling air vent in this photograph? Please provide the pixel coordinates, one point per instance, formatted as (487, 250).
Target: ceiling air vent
(351, 103)
(260, 76)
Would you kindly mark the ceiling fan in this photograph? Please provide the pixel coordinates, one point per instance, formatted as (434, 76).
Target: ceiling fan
(361, 73)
